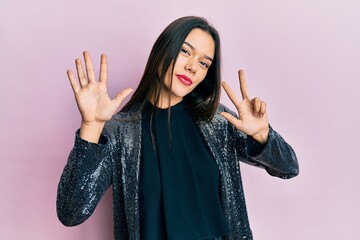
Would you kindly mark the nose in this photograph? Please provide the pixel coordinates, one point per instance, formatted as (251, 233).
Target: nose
(191, 66)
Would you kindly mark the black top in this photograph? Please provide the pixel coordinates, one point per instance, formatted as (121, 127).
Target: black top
(179, 180)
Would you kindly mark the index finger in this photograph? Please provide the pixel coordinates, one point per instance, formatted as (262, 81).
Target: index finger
(243, 85)
(230, 93)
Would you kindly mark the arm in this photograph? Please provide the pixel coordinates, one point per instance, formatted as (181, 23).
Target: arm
(88, 172)
(277, 157)
(86, 177)
(255, 140)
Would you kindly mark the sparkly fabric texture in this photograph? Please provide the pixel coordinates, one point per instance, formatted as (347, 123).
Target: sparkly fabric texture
(92, 168)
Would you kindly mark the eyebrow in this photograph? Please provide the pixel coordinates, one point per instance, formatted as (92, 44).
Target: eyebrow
(192, 47)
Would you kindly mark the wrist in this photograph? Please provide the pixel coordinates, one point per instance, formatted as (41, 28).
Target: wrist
(93, 125)
(262, 136)
(91, 131)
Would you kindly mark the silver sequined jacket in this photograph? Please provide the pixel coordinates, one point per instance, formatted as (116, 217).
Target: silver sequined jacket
(115, 160)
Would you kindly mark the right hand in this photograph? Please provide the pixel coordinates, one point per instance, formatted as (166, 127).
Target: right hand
(94, 103)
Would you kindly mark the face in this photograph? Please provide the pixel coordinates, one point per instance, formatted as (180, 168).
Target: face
(191, 67)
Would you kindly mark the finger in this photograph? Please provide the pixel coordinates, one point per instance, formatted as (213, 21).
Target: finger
(230, 93)
(75, 86)
(262, 109)
(243, 85)
(256, 102)
(103, 69)
(89, 67)
(233, 120)
(80, 72)
(121, 96)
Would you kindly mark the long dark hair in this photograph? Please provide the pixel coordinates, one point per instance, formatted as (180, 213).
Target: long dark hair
(202, 102)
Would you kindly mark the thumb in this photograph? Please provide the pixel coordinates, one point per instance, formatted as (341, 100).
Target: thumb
(238, 124)
(121, 96)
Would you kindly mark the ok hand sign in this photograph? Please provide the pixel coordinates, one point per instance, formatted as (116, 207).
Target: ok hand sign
(252, 117)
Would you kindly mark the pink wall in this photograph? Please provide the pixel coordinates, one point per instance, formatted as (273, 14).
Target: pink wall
(302, 57)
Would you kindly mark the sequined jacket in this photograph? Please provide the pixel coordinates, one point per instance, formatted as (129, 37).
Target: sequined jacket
(115, 160)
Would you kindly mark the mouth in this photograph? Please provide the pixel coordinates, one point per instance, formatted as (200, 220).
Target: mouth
(184, 79)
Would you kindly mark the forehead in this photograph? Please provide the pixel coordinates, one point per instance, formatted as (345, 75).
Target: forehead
(202, 42)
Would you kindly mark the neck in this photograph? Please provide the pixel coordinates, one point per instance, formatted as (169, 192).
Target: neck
(164, 100)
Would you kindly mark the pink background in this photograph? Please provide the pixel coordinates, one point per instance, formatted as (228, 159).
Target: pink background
(302, 57)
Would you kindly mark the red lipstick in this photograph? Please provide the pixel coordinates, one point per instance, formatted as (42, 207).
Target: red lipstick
(184, 79)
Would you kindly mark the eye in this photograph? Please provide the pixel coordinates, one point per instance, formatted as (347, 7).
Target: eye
(204, 64)
(185, 51)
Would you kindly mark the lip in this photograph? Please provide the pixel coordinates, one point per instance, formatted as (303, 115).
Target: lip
(184, 79)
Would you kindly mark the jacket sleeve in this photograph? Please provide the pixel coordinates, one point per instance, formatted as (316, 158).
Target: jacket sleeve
(86, 177)
(277, 157)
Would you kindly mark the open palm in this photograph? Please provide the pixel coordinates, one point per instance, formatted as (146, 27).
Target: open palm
(91, 96)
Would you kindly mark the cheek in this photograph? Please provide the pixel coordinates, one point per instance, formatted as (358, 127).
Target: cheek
(167, 79)
(180, 61)
(202, 75)
(199, 81)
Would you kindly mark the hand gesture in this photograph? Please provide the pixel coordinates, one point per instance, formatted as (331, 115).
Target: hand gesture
(91, 96)
(252, 117)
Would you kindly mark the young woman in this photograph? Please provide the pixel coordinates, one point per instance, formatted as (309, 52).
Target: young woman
(171, 154)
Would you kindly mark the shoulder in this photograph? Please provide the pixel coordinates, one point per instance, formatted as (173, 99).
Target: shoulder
(218, 129)
(123, 122)
(218, 121)
(222, 108)
(131, 115)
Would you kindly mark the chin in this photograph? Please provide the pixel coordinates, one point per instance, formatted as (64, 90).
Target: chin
(180, 92)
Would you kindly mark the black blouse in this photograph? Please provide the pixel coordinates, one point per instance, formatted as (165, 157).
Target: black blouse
(179, 180)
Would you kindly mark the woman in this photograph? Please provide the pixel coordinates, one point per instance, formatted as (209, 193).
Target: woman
(171, 154)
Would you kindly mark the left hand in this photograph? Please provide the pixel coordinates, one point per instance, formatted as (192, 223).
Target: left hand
(252, 117)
